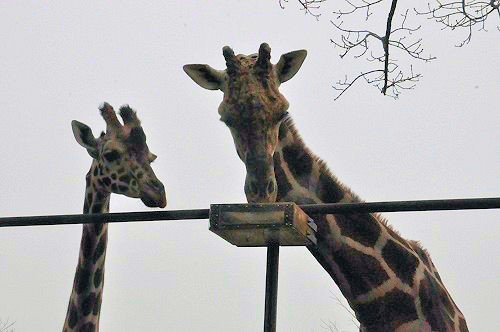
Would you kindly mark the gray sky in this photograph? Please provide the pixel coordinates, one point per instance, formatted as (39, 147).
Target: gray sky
(60, 60)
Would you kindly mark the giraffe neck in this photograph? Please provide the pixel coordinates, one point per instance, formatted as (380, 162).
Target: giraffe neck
(86, 296)
(390, 283)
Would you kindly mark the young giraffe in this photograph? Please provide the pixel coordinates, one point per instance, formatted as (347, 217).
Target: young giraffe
(389, 282)
(121, 164)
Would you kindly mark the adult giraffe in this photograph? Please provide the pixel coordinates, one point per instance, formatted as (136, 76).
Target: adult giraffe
(389, 282)
(121, 164)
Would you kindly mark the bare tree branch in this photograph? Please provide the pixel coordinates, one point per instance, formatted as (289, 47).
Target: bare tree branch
(354, 320)
(387, 75)
(354, 8)
(308, 6)
(330, 326)
(385, 42)
(6, 326)
(461, 14)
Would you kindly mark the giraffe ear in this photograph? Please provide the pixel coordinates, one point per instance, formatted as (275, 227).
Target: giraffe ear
(205, 76)
(84, 137)
(289, 64)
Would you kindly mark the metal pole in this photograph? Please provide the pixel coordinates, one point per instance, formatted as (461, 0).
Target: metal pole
(273, 255)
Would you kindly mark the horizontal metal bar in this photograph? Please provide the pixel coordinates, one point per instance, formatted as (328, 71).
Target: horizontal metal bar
(404, 206)
(104, 218)
(396, 206)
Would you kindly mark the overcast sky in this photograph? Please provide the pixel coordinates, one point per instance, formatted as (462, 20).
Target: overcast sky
(59, 60)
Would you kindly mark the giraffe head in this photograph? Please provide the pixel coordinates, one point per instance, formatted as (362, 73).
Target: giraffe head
(122, 160)
(253, 109)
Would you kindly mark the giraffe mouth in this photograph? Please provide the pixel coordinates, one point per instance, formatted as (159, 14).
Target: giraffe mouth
(154, 197)
(154, 201)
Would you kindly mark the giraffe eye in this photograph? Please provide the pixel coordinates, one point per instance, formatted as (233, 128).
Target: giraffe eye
(112, 155)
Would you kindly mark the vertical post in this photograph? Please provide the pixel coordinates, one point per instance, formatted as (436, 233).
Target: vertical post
(273, 255)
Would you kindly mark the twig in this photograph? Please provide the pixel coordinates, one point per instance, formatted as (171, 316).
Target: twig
(463, 14)
(354, 320)
(5, 326)
(308, 6)
(452, 14)
(388, 78)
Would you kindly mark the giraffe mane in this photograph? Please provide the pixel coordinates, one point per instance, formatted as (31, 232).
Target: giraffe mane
(415, 247)
(353, 197)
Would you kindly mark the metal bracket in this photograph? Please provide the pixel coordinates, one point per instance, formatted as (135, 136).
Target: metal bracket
(257, 225)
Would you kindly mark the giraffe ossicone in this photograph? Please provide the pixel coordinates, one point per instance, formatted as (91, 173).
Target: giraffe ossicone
(121, 164)
(389, 282)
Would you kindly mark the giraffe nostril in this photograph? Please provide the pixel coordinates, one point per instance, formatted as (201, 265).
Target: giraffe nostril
(271, 187)
(254, 188)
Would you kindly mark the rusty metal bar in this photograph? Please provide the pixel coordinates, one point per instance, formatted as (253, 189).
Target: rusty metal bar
(396, 206)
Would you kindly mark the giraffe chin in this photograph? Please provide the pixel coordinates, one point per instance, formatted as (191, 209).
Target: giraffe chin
(261, 199)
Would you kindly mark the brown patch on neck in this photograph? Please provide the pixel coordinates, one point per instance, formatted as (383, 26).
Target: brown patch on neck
(432, 304)
(388, 312)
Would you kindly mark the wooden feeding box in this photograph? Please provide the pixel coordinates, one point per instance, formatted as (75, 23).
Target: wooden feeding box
(258, 225)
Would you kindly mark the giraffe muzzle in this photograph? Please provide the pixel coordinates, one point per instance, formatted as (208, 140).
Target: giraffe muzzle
(153, 194)
(261, 191)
